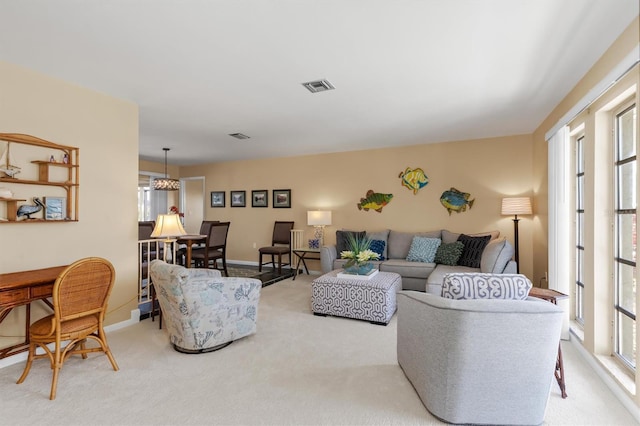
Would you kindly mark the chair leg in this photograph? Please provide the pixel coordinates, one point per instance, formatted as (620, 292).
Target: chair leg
(273, 262)
(27, 368)
(259, 262)
(279, 264)
(57, 364)
(224, 267)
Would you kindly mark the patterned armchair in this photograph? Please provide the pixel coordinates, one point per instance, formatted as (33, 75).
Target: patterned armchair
(204, 311)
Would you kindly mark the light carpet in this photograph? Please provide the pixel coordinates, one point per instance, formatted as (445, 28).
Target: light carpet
(298, 369)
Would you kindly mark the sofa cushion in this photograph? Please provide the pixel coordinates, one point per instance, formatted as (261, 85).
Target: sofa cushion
(382, 236)
(342, 239)
(496, 255)
(485, 286)
(448, 254)
(435, 279)
(450, 237)
(472, 251)
(423, 249)
(399, 243)
(379, 246)
(407, 269)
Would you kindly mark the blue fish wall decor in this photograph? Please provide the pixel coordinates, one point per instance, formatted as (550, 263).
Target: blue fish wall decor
(456, 201)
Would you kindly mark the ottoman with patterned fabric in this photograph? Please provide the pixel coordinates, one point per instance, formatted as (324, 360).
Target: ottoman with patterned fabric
(371, 300)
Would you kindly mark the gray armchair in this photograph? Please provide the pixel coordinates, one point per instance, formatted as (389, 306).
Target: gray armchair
(479, 361)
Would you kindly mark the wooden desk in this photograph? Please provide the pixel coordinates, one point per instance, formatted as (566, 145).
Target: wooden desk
(22, 288)
(553, 296)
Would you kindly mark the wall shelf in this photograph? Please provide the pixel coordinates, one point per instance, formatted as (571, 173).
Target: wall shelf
(69, 182)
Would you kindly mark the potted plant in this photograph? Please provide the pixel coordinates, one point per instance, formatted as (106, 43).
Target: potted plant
(359, 254)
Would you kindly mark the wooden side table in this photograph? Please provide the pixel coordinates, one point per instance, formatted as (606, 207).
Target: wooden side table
(301, 254)
(553, 296)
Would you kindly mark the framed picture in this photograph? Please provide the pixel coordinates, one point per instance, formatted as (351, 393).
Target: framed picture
(217, 198)
(260, 198)
(238, 198)
(55, 208)
(282, 198)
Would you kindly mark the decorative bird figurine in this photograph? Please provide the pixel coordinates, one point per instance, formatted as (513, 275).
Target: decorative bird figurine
(27, 209)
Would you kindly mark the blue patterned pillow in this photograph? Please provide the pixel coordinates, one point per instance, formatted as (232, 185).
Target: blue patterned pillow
(377, 246)
(423, 249)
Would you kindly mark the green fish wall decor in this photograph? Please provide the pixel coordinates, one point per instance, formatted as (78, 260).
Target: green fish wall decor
(413, 179)
(456, 201)
(374, 201)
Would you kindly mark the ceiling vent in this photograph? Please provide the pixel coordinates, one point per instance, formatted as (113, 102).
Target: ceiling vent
(238, 136)
(318, 86)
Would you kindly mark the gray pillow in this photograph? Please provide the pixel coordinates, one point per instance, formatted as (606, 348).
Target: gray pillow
(496, 255)
(399, 243)
(423, 249)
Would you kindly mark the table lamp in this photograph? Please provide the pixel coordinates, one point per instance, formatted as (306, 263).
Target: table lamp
(319, 219)
(516, 206)
(168, 226)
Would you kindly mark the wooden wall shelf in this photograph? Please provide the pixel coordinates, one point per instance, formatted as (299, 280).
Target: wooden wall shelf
(70, 184)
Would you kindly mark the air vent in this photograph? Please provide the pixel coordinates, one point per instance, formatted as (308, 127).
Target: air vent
(318, 86)
(238, 136)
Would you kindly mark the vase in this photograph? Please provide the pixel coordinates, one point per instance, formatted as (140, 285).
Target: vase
(362, 269)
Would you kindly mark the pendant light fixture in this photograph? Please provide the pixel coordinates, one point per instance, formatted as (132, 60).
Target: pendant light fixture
(166, 184)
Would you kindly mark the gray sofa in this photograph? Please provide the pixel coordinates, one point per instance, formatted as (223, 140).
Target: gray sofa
(479, 361)
(423, 276)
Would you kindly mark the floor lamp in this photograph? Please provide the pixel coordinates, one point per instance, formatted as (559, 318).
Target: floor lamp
(516, 206)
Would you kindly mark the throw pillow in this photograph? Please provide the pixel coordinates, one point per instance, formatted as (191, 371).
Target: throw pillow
(342, 243)
(377, 246)
(448, 254)
(485, 286)
(423, 249)
(495, 256)
(472, 251)
(382, 236)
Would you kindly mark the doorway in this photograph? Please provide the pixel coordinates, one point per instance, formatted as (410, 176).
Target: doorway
(192, 203)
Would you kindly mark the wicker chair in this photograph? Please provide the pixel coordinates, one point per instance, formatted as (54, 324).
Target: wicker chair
(280, 245)
(80, 296)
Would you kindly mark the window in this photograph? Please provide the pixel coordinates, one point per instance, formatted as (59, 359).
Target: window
(150, 203)
(625, 247)
(579, 236)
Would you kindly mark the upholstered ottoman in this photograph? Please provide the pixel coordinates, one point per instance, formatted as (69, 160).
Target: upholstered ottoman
(371, 300)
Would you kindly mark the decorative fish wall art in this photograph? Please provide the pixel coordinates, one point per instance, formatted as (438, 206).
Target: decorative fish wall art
(374, 201)
(456, 201)
(414, 179)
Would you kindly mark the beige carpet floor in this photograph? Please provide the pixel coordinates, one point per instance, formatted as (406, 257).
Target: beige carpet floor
(298, 369)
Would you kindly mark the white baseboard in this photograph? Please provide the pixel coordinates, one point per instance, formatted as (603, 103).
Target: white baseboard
(22, 356)
(604, 375)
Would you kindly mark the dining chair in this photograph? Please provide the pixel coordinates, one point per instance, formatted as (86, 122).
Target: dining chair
(80, 296)
(215, 248)
(280, 246)
(204, 230)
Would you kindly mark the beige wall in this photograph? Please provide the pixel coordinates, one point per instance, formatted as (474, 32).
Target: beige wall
(106, 131)
(488, 169)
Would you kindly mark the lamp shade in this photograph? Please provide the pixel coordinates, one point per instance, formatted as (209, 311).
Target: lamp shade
(516, 206)
(318, 217)
(166, 184)
(168, 225)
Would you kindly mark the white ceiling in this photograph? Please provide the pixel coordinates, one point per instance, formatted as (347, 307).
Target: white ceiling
(406, 71)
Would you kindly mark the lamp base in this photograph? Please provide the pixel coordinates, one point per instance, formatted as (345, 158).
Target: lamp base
(318, 234)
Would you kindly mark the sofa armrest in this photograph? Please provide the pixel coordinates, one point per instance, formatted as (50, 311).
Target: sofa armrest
(327, 255)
